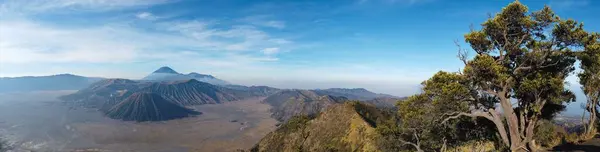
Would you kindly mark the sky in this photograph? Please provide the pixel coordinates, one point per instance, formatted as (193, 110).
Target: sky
(387, 46)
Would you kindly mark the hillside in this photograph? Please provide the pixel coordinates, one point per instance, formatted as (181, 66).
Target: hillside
(288, 103)
(148, 107)
(44, 83)
(344, 127)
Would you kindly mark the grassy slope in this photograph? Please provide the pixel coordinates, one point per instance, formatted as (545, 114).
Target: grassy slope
(344, 127)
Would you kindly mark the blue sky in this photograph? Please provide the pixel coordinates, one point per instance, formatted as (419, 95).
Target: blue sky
(387, 46)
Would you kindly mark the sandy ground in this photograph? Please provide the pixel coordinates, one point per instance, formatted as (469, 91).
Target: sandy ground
(39, 121)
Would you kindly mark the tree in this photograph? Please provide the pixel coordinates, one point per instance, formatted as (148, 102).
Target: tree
(521, 62)
(421, 115)
(589, 78)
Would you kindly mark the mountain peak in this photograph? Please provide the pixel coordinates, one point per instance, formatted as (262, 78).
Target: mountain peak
(165, 69)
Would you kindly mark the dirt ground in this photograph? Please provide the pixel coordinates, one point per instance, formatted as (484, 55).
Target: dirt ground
(39, 121)
(592, 145)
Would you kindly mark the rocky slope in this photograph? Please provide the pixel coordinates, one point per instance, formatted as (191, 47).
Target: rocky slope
(147, 107)
(194, 92)
(343, 127)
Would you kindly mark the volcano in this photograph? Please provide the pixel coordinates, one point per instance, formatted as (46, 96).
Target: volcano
(97, 94)
(165, 69)
(148, 107)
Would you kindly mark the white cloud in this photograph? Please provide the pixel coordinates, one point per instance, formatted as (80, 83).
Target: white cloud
(30, 41)
(146, 16)
(239, 38)
(270, 51)
(39, 6)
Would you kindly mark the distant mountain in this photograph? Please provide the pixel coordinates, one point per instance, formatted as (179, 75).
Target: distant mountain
(168, 74)
(194, 92)
(384, 102)
(262, 91)
(165, 69)
(97, 94)
(351, 126)
(44, 83)
(106, 93)
(354, 94)
(288, 103)
(148, 107)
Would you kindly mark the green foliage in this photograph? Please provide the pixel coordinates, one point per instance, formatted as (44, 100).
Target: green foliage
(548, 134)
(422, 115)
(519, 65)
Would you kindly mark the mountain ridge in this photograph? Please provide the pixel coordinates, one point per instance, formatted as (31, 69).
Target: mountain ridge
(291, 102)
(43, 83)
(343, 127)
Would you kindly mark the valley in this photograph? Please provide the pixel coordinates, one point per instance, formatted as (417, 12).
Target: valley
(39, 121)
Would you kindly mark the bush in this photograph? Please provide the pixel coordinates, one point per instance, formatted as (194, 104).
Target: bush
(548, 134)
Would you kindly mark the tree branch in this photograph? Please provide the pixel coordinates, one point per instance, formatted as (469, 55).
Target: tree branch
(473, 115)
(416, 145)
(462, 54)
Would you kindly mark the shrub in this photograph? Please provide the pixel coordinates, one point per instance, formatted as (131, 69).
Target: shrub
(548, 134)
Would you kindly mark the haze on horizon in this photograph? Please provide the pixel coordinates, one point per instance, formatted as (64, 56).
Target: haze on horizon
(387, 46)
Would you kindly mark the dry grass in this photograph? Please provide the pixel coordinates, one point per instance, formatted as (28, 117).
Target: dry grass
(475, 146)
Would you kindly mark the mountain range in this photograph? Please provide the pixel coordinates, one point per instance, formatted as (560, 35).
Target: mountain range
(194, 89)
(45, 83)
(76, 82)
(288, 103)
(354, 93)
